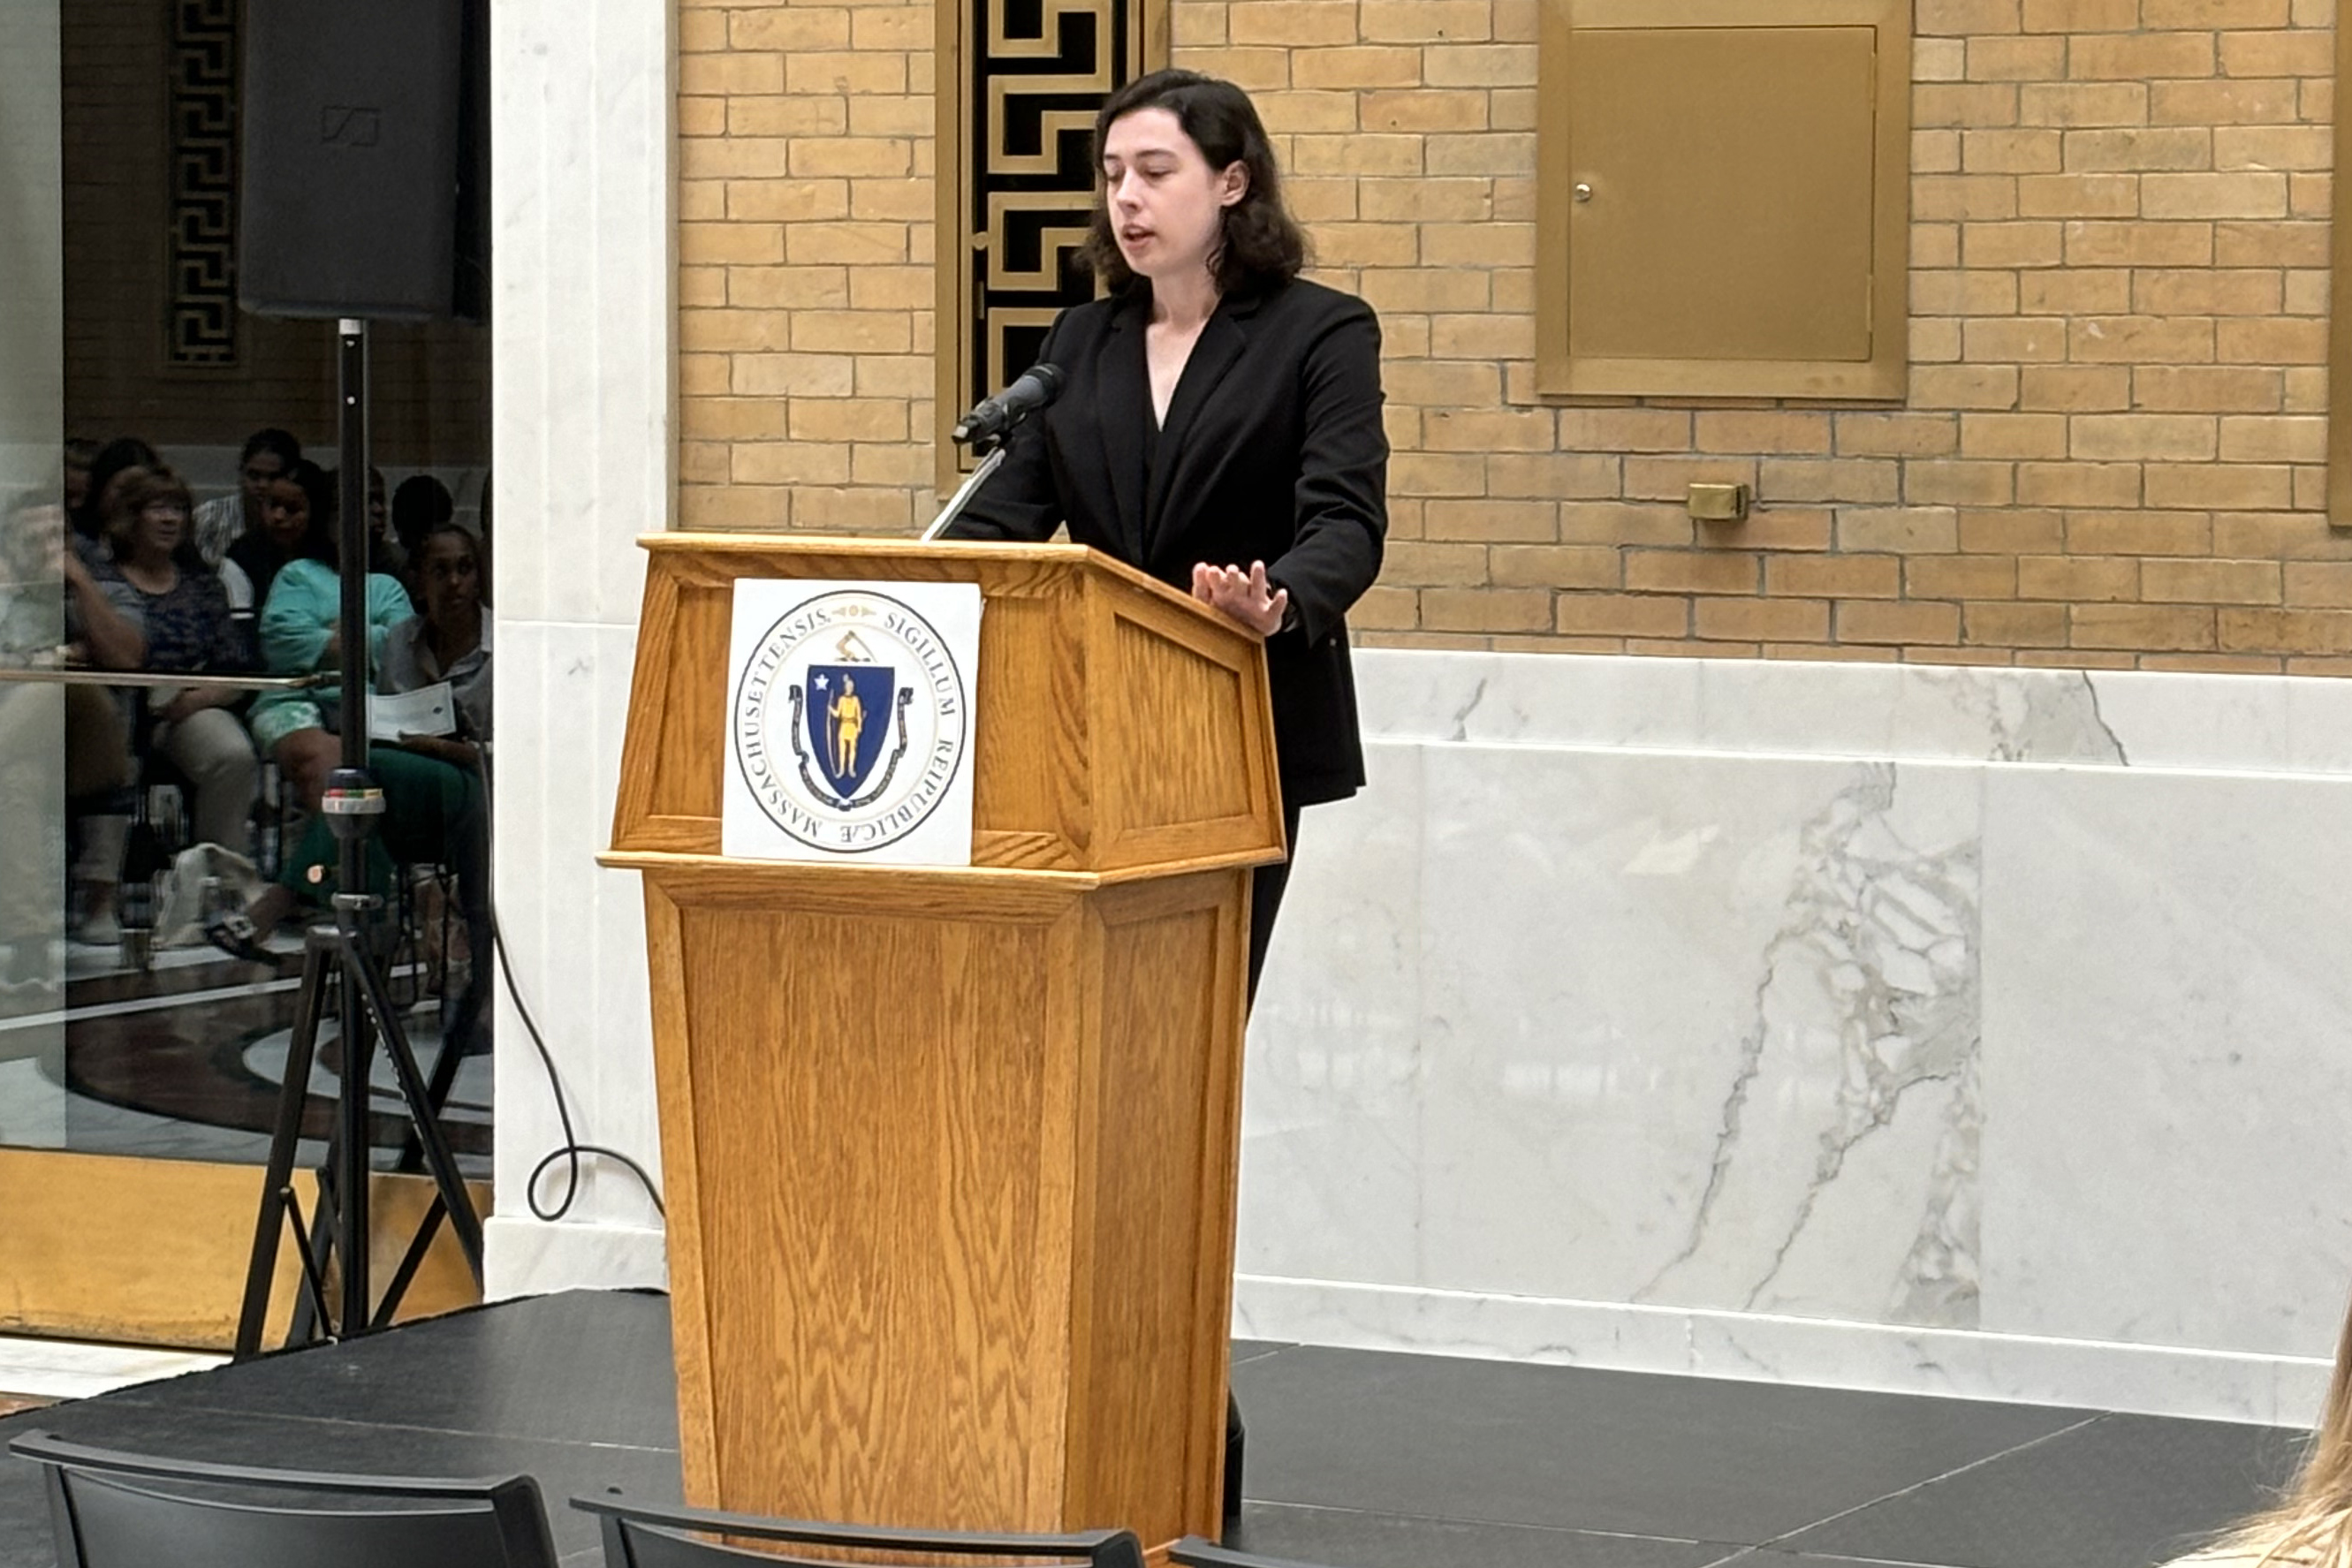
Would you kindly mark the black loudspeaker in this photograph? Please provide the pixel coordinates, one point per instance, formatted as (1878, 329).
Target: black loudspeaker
(365, 158)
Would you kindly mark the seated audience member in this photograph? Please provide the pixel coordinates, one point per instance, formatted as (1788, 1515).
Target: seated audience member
(80, 451)
(122, 452)
(32, 629)
(448, 640)
(301, 634)
(220, 522)
(379, 512)
(433, 812)
(482, 532)
(46, 552)
(419, 505)
(2311, 1527)
(153, 613)
(288, 503)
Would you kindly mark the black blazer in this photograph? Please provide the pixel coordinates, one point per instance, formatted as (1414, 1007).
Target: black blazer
(1273, 451)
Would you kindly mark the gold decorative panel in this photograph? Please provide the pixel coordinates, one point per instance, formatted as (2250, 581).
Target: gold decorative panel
(1020, 82)
(1723, 198)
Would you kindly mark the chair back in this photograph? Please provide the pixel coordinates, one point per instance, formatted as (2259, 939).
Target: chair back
(113, 1510)
(1198, 1552)
(640, 1536)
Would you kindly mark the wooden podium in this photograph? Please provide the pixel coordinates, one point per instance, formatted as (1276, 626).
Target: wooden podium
(949, 1153)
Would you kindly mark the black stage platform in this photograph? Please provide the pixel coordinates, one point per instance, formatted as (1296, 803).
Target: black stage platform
(1357, 1458)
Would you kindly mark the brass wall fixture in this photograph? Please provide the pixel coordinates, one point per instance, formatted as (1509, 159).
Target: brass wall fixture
(1713, 503)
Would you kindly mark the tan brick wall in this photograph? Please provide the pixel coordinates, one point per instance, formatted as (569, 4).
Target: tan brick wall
(804, 266)
(2112, 449)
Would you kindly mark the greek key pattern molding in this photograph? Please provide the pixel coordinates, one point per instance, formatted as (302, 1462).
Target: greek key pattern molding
(202, 316)
(1019, 95)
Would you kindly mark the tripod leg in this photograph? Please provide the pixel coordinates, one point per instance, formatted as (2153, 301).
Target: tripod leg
(270, 1222)
(410, 1261)
(437, 1088)
(314, 1317)
(438, 1159)
(351, 1164)
(314, 1283)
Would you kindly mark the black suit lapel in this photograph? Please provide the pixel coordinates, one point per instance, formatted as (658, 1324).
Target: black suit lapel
(1213, 357)
(1121, 381)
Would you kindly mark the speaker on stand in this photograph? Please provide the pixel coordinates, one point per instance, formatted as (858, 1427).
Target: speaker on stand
(363, 196)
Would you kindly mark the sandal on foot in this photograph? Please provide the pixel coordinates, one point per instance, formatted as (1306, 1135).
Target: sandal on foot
(234, 935)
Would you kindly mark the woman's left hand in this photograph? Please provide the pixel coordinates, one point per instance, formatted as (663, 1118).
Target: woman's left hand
(456, 753)
(1247, 596)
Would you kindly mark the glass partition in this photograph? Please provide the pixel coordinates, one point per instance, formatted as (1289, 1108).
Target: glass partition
(169, 663)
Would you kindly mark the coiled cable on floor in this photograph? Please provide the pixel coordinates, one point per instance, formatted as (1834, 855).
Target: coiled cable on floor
(572, 1148)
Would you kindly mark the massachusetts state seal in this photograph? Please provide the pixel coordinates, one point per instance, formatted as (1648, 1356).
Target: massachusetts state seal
(851, 720)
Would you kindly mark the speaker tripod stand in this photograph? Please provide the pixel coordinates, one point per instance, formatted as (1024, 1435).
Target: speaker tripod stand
(341, 951)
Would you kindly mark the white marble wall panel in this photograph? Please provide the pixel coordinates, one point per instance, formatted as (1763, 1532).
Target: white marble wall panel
(2168, 1152)
(583, 377)
(574, 932)
(1331, 1125)
(1694, 1031)
(1974, 1031)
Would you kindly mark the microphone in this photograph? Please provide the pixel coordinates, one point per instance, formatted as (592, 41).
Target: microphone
(1037, 386)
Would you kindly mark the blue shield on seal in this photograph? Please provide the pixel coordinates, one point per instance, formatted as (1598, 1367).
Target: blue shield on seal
(849, 720)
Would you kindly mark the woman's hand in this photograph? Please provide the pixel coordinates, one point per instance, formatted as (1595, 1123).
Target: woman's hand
(114, 644)
(194, 700)
(459, 753)
(1247, 596)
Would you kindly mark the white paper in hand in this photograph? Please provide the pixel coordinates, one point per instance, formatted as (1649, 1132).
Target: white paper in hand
(428, 710)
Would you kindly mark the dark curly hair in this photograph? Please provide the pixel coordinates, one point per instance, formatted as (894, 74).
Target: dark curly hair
(318, 541)
(1262, 243)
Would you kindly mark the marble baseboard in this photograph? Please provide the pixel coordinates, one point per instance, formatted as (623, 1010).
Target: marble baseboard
(2125, 718)
(69, 1369)
(2283, 1391)
(523, 1256)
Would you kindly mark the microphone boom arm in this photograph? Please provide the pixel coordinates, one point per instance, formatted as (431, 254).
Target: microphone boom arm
(963, 498)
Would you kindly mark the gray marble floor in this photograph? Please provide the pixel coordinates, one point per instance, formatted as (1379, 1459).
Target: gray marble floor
(168, 1045)
(1357, 1458)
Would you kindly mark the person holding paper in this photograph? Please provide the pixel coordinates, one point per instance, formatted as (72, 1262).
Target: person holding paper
(301, 634)
(1220, 423)
(434, 811)
(448, 640)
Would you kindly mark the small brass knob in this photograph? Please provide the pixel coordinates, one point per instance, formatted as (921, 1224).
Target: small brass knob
(1583, 192)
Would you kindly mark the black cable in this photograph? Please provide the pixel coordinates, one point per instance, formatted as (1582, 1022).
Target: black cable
(572, 1147)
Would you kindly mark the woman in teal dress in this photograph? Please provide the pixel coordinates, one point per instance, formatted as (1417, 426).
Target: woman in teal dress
(433, 812)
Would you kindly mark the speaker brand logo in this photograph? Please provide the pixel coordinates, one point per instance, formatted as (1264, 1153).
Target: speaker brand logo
(850, 719)
(343, 125)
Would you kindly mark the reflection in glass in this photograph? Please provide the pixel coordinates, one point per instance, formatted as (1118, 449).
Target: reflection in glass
(166, 461)
(32, 543)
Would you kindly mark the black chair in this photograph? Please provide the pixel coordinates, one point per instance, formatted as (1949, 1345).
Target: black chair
(638, 1536)
(106, 1513)
(1193, 1552)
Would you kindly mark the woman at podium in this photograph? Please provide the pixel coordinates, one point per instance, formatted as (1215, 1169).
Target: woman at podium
(1218, 425)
